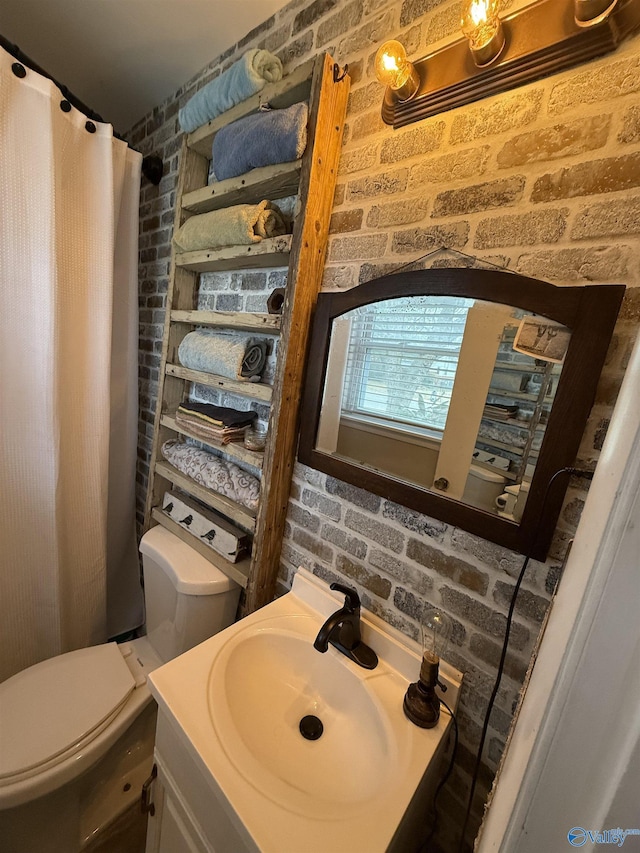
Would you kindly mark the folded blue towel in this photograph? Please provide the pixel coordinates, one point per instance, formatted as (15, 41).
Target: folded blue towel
(261, 139)
(245, 77)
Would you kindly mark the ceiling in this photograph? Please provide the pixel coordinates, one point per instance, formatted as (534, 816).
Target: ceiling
(124, 57)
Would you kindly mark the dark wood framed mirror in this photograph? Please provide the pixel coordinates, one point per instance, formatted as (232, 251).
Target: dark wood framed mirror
(459, 393)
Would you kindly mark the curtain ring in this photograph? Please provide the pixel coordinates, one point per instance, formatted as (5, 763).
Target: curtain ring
(90, 126)
(19, 70)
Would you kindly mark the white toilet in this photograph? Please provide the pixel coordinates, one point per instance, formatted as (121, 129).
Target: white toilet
(77, 730)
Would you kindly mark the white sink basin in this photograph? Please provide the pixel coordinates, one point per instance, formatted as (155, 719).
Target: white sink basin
(236, 702)
(263, 682)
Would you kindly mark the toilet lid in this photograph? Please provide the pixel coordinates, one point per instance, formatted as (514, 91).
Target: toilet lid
(56, 704)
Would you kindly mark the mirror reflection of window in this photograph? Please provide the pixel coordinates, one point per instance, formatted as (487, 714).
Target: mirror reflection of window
(402, 360)
(442, 389)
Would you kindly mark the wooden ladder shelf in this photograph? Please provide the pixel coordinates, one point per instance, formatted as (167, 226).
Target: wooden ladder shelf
(313, 180)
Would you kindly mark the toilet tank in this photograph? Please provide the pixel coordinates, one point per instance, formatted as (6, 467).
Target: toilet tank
(483, 487)
(187, 598)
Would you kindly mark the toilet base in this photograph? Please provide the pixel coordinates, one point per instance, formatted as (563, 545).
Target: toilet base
(74, 817)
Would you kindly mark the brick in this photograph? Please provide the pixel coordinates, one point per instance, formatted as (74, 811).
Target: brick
(631, 125)
(349, 16)
(303, 518)
(250, 280)
(390, 615)
(371, 34)
(357, 159)
(277, 38)
(312, 13)
(454, 235)
(630, 308)
(401, 571)
(345, 220)
(369, 580)
(338, 277)
(374, 529)
(412, 9)
(296, 50)
(522, 229)
(395, 213)
(411, 143)
(352, 494)
(608, 219)
(474, 198)
(599, 176)
(310, 543)
(567, 265)
(489, 652)
(551, 143)
(414, 521)
(364, 98)
(357, 248)
(528, 604)
(449, 167)
(415, 607)
(488, 553)
(384, 183)
(322, 504)
(341, 539)
(490, 621)
(228, 302)
(367, 124)
(371, 271)
(596, 85)
(256, 31)
(500, 114)
(448, 566)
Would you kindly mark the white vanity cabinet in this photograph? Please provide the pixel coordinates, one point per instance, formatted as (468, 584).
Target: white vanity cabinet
(188, 811)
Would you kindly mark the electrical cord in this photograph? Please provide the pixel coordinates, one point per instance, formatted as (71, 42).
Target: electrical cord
(424, 847)
(579, 473)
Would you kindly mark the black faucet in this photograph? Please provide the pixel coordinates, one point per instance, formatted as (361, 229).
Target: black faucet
(342, 630)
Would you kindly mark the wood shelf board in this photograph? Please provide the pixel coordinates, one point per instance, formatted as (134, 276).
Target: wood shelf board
(246, 518)
(236, 320)
(291, 89)
(270, 182)
(272, 252)
(254, 390)
(238, 572)
(235, 450)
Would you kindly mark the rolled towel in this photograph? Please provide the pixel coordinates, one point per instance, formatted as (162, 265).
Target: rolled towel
(245, 77)
(239, 225)
(229, 354)
(220, 475)
(261, 139)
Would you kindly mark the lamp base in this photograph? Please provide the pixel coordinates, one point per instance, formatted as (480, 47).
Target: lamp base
(421, 705)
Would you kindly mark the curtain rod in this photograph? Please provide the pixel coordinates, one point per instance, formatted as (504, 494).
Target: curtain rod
(152, 166)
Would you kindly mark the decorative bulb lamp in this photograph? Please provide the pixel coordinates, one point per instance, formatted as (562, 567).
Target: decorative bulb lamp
(421, 705)
(394, 70)
(481, 25)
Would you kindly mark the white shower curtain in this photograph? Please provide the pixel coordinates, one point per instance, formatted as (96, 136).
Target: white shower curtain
(68, 355)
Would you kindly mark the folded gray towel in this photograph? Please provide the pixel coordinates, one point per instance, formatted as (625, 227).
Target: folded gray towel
(261, 139)
(239, 225)
(229, 354)
(245, 77)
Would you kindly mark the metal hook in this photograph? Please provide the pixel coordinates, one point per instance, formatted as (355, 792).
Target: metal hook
(337, 76)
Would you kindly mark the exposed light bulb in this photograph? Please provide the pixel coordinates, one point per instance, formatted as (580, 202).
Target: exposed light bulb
(421, 705)
(481, 25)
(394, 70)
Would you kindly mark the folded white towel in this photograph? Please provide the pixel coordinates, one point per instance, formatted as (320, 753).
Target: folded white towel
(239, 225)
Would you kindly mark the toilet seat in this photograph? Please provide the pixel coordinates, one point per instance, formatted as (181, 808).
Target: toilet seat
(57, 707)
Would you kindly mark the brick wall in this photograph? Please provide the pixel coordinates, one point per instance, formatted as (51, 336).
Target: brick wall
(545, 180)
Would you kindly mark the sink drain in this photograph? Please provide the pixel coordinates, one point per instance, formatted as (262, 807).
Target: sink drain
(311, 727)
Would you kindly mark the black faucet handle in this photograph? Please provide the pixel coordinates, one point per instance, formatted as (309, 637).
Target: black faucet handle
(352, 599)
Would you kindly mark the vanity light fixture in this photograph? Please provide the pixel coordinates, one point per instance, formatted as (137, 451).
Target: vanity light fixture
(481, 25)
(497, 54)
